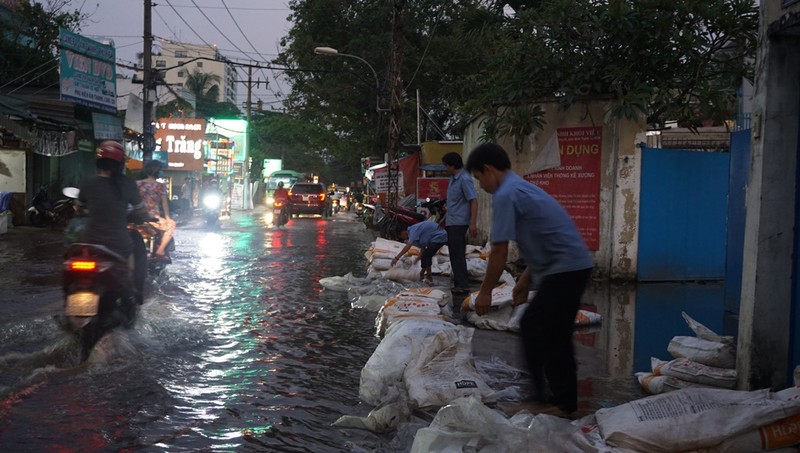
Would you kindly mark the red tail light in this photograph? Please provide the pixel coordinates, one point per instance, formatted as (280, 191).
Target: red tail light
(83, 265)
(322, 197)
(278, 204)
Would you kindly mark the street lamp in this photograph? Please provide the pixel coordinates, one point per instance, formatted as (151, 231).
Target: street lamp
(331, 52)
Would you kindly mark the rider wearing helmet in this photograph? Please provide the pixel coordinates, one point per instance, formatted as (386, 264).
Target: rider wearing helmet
(107, 196)
(281, 193)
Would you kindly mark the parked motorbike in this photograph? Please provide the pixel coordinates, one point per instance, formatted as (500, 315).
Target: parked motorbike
(42, 212)
(212, 203)
(98, 293)
(388, 221)
(280, 212)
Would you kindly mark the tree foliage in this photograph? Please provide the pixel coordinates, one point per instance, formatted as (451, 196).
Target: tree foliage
(656, 59)
(205, 88)
(29, 40)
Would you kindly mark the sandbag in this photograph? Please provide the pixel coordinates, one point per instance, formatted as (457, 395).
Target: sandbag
(655, 384)
(688, 370)
(689, 419)
(411, 303)
(442, 369)
(386, 364)
(779, 434)
(711, 353)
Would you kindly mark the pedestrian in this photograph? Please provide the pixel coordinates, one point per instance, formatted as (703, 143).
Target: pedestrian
(430, 238)
(186, 195)
(460, 219)
(154, 195)
(558, 266)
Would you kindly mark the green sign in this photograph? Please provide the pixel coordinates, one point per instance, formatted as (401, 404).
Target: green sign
(88, 72)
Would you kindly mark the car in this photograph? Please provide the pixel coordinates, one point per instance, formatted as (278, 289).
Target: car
(309, 198)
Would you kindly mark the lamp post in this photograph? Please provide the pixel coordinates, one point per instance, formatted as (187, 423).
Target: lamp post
(331, 52)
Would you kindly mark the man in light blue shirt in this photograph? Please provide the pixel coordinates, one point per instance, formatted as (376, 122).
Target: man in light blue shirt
(461, 217)
(430, 238)
(558, 260)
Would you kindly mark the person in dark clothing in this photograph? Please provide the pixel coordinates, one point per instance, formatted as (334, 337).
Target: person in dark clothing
(558, 265)
(107, 196)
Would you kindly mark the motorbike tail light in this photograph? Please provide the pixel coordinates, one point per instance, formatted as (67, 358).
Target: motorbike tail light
(83, 265)
(278, 204)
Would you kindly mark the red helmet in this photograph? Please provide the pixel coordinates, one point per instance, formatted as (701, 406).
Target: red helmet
(110, 149)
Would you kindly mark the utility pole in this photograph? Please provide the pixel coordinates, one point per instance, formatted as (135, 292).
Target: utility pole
(148, 140)
(247, 203)
(395, 101)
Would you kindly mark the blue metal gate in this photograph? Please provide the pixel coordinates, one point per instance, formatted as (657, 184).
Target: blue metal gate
(683, 215)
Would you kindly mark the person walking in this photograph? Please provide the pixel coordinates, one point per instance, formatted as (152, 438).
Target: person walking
(430, 238)
(460, 219)
(558, 266)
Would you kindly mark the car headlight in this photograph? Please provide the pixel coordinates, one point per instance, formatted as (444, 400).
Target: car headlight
(212, 201)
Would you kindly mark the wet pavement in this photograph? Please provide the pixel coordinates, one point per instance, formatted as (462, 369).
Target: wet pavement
(238, 347)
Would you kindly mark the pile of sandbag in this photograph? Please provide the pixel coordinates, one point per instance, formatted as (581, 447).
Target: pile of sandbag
(423, 360)
(504, 316)
(704, 360)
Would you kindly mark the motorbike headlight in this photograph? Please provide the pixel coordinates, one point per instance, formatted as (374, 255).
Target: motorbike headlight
(212, 201)
(270, 200)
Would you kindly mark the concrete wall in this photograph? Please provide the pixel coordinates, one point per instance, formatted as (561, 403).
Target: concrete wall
(770, 236)
(619, 183)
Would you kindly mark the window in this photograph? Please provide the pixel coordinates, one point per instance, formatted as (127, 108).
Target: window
(161, 63)
(199, 64)
(181, 54)
(181, 74)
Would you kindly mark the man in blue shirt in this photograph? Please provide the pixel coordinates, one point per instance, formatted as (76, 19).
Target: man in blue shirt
(430, 238)
(557, 261)
(462, 212)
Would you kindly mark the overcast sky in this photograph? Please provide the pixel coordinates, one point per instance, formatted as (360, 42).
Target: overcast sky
(263, 22)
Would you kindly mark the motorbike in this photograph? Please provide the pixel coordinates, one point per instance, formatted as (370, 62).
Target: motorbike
(98, 293)
(150, 239)
(212, 202)
(280, 212)
(335, 206)
(43, 212)
(388, 221)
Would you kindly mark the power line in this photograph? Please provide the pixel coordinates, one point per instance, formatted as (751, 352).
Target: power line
(187, 24)
(32, 70)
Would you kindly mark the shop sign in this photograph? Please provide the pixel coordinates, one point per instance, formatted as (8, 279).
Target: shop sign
(432, 188)
(182, 139)
(106, 127)
(88, 72)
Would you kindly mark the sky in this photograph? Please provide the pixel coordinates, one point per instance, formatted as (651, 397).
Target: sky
(263, 22)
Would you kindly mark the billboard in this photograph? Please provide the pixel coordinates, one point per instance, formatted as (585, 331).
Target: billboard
(234, 130)
(576, 182)
(182, 139)
(88, 72)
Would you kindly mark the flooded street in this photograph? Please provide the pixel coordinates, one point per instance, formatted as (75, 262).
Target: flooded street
(238, 348)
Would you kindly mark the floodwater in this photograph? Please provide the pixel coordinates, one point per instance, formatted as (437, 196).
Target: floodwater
(239, 349)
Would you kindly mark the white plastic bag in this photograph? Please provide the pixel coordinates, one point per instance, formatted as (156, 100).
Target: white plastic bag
(711, 353)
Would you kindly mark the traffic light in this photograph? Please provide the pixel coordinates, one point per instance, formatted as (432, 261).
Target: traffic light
(365, 164)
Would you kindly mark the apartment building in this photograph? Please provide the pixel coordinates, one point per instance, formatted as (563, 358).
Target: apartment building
(178, 60)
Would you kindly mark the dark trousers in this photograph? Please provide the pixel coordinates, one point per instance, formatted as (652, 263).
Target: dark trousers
(457, 246)
(546, 329)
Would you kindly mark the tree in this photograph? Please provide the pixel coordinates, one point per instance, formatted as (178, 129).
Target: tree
(205, 88)
(29, 41)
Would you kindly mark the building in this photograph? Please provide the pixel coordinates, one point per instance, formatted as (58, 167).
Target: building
(179, 60)
(769, 323)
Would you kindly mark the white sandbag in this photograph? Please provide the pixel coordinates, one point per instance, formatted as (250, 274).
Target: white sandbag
(386, 365)
(501, 296)
(494, 320)
(442, 369)
(588, 438)
(704, 332)
(779, 434)
(655, 384)
(384, 248)
(401, 274)
(515, 320)
(411, 303)
(689, 419)
(381, 264)
(476, 268)
(343, 283)
(711, 353)
(688, 370)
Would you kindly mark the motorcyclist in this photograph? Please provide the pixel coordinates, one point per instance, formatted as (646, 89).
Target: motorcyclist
(281, 194)
(106, 197)
(154, 195)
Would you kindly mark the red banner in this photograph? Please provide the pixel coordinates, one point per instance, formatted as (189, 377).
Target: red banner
(576, 183)
(433, 188)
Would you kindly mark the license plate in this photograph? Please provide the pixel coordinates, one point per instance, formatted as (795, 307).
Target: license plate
(277, 211)
(306, 197)
(83, 303)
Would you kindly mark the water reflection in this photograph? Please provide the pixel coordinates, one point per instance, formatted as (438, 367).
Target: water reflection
(639, 320)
